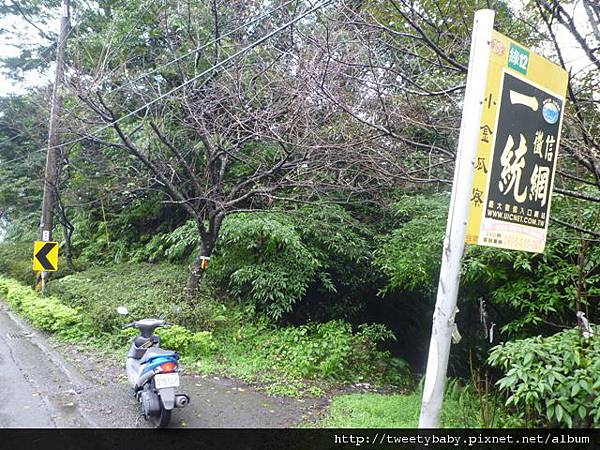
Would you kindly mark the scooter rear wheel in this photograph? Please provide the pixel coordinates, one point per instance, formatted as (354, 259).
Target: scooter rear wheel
(154, 409)
(162, 419)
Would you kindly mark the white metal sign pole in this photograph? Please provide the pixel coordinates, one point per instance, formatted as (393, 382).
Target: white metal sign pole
(456, 227)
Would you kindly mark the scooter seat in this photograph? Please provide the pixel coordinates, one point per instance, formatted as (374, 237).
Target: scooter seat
(153, 353)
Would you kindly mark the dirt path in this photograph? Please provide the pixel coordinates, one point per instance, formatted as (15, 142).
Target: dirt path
(81, 388)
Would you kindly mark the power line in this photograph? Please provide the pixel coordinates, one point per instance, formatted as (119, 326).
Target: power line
(202, 47)
(7, 140)
(243, 51)
(215, 66)
(195, 50)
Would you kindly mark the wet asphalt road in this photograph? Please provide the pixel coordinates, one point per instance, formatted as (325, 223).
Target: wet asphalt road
(36, 388)
(48, 384)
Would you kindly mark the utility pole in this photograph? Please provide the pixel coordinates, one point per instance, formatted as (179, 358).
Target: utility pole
(456, 227)
(53, 156)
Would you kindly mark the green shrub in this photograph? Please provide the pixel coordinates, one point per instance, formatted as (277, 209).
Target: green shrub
(315, 350)
(410, 254)
(16, 261)
(330, 351)
(46, 313)
(176, 245)
(147, 290)
(553, 380)
(326, 352)
(118, 231)
(186, 342)
(263, 259)
(270, 260)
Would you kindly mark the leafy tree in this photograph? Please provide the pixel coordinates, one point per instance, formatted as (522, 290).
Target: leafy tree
(272, 259)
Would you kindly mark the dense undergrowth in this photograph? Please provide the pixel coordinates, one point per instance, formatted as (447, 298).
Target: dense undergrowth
(552, 380)
(213, 336)
(291, 361)
(284, 303)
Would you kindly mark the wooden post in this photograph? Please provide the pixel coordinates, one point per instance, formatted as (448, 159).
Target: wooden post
(53, 156)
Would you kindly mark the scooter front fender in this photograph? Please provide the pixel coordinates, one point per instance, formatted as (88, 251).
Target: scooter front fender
(167, 395)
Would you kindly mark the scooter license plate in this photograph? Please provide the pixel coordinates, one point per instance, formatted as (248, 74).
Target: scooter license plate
(166, 380)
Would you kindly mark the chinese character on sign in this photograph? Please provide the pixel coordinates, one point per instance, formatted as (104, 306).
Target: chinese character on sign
(516, 98)
(512, 162)
(518, 58)
(539, 184)
(513, 57)
(476, 198)
(481, 165)
(550, 141)
(486, 131)
(538, 142)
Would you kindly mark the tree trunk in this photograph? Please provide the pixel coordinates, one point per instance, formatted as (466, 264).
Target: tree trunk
(68, 230)
(67, 234)
(207, 243)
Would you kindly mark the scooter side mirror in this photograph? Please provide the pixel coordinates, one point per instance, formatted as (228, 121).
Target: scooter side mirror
(122, 310)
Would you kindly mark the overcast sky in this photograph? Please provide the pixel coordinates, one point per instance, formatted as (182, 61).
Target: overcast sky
(20, 32)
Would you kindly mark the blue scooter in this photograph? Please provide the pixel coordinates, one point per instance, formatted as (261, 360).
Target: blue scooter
(152, 372)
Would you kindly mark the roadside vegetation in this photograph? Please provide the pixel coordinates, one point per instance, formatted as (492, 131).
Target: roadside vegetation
(215, 338)
(301, 350)
(312, 176)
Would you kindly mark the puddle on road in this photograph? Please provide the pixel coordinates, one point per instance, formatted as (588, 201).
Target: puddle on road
(64, 400)
(66, 405)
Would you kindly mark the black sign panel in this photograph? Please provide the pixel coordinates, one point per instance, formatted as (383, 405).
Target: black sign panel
(524, 154)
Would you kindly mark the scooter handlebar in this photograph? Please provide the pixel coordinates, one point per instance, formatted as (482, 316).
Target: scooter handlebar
(157, 324)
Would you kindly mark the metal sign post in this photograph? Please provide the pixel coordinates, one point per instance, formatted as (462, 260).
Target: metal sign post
(445, 307)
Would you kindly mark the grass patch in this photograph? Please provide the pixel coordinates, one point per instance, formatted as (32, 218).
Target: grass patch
(461, 409)
(147, 290)
(393, 411)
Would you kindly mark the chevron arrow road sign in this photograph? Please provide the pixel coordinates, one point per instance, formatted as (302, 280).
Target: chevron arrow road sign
(45, 256)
